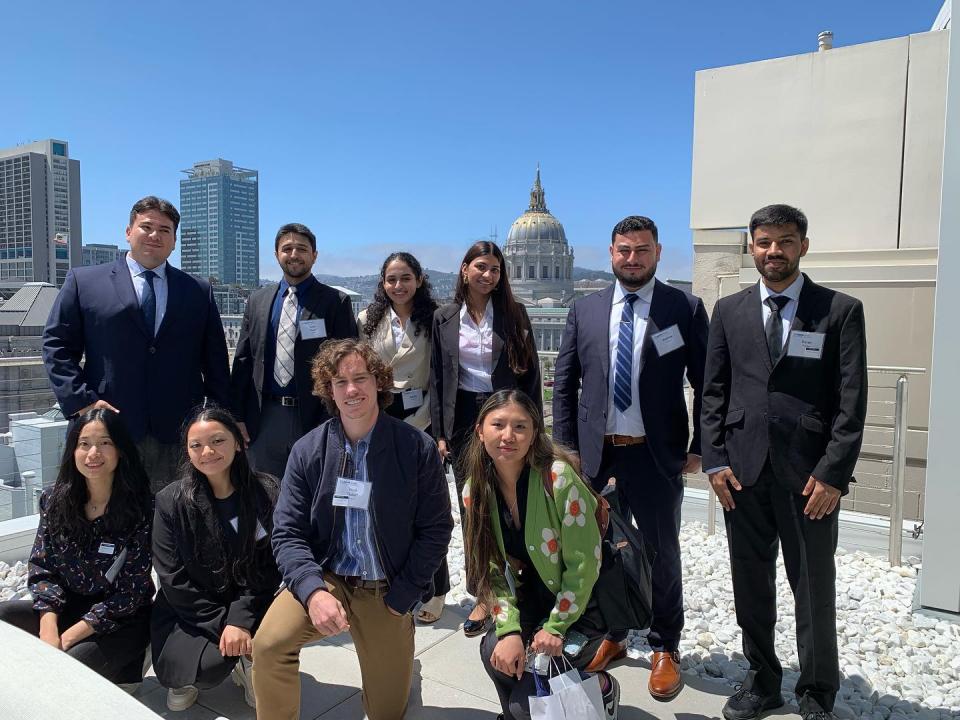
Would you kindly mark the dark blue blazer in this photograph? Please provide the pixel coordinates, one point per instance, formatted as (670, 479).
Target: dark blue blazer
(153, 382)
(581, 378)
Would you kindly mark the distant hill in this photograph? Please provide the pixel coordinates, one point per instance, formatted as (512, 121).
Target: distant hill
(580, 273)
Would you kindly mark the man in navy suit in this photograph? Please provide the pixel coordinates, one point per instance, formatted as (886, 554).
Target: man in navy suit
(149, 336)
(626, 350)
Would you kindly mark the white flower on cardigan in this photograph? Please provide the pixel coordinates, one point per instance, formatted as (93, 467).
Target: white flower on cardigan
(550, 545)
(566, 604)
(574, 509)
(500, 610)
(557, 476)
(597, 553)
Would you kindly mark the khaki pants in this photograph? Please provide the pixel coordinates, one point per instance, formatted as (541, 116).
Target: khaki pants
(384, 644)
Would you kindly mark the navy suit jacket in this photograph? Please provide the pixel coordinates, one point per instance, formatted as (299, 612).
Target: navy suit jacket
(249, 372)
(805, 414)
(153, 382)
(583, 364)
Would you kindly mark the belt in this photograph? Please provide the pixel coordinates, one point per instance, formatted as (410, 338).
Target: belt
(358, 583)
(623, 440)
(285, 400)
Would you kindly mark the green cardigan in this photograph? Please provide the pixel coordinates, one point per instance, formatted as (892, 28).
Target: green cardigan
(564, 545)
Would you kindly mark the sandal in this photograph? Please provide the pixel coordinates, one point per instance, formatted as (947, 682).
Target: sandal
(431, 610)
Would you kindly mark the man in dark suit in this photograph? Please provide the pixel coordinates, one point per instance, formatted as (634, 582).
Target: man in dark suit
(284, 326)
(627, 349)
(784, 402)
(149, 335)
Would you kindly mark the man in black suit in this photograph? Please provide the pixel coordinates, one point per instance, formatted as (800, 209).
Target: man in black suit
(784, 402)
(149, 336)
(284, 326)
(627, 349)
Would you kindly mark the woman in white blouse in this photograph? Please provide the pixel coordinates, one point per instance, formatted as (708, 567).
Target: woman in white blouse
(397, 325)
(482, 343)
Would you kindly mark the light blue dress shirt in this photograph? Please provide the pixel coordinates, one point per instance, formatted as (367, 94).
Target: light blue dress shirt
(160, 287)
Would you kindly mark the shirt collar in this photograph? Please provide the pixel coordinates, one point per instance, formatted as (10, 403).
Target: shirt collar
(792, 292)
(346, 441)
(138, 269)
(301, 286)
(394, 318)
(645, 292)
(487, 314)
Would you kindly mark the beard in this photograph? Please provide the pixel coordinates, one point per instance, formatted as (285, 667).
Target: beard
(634, 278)
(777, 274)
(297, 270)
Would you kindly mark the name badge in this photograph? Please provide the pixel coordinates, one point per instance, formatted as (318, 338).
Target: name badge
(412, 398)
(667, 340)
(107, 548)
(351, 493)
(805, 345)
(313, 329)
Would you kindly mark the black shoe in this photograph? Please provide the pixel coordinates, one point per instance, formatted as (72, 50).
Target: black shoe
(747, 705)
(819, 715)
(472, 628)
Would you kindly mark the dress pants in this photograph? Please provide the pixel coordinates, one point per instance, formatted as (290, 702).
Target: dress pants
(118, 656)
(655, 502)
(160, 461)
(280, 428)
(764, 513)
(384, 644)
(175, 669)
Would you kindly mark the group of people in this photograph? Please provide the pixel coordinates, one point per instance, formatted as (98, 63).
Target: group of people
(305, 494)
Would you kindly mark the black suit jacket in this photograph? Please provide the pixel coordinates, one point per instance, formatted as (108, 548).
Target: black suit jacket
(249, 374)
(445, 367)
(583, 365)
(153, 382)
(806, 415)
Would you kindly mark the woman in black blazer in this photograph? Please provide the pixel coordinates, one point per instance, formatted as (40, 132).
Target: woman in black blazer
(482, 343)
(211, 550)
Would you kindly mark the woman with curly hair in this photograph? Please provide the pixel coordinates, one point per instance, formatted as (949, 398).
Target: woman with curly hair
(482, 343)
(90, 565)
(211, 549)
(534, 551)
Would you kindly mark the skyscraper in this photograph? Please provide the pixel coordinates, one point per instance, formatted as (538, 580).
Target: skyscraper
(39, 213)
(220, 223)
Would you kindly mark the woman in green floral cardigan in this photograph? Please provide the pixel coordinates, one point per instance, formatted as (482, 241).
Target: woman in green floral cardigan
(534, 550)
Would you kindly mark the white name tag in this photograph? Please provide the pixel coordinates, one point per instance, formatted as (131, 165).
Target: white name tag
(106, 548)
(261, 533)
(313, 329)
(667, 340)
(412, 398)
(351, 493)
(805, 345)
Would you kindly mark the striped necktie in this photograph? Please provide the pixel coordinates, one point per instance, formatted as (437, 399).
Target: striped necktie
(622, 393)
(286, 339)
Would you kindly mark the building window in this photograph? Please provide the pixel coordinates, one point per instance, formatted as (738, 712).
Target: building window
(518, 271)
(546, 273)
(532, 275)
(556, 272)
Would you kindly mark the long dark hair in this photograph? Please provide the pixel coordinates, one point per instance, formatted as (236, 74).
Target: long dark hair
(423, 302)
(479, 539)
(130, 500)
(253, 490)
(515, 324)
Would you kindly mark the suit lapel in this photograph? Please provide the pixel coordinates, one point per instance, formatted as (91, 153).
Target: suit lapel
(657, 319)
(497, 340)
(123, 284)
(754, 317)
(175, 296)
(802, 317)
(605, 301)
(388, 348)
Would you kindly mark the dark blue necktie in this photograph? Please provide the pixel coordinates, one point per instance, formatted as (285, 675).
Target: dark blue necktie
(622, 394)
(148, 302)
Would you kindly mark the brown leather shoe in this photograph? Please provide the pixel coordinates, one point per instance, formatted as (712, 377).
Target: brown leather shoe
(608, 652)
(665, 679)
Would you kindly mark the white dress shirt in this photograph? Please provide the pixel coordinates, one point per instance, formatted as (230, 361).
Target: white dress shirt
(396, 327)
(630, 421)
(159, 286)
(789, 311)
(476, 351)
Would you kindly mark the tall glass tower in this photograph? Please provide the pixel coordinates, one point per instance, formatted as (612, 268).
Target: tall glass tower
(220, 223)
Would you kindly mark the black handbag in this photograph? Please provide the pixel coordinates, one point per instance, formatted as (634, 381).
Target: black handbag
(624, 589)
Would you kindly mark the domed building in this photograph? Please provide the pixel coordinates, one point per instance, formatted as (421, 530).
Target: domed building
(538, 257)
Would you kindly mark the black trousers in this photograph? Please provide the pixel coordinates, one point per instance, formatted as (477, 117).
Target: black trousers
(118, 656)
(655, 502)
(765, 513)
(280, 428)
(210, 670)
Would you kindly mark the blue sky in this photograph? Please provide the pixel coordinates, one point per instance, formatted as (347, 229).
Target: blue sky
(388, 125)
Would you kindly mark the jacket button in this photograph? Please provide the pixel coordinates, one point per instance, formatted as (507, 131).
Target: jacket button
(549, 582)
(153, 351)
(531, 547)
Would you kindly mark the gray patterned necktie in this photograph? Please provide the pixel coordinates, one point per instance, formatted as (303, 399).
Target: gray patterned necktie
(774, 326)
(286, 339)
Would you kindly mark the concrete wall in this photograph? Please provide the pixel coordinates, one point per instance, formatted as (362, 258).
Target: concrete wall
(854, 136)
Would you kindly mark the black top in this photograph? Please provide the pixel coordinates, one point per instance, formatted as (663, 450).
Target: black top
(228, 511)
(534, 599)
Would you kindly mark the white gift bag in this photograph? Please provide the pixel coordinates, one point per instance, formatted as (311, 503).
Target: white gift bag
(571, 698)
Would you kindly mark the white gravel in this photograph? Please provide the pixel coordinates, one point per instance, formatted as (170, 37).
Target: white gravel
(894, 665)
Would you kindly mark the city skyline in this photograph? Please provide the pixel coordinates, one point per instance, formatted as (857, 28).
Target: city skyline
(388, 127)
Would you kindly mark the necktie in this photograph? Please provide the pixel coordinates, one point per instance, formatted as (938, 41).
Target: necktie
(774, 326)
(286, 339)
(148, 302)
(622, 393)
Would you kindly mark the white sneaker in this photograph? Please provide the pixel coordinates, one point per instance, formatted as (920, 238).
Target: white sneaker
(179, 699)
(611, 701)
(243, 678)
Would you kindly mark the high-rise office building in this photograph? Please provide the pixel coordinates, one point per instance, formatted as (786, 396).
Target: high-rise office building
(220, 223)
(98, 254)
(40, 232)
